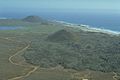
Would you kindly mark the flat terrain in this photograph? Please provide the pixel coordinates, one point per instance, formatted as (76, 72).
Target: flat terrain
(8, 70)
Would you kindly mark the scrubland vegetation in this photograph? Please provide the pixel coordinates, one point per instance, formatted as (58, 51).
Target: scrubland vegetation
(53, 44)
(76, 50)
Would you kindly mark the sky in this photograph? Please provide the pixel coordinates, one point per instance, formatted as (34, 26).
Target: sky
(59, 5)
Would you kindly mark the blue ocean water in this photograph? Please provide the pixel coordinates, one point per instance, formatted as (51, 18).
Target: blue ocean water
(104, 21)
(99, 20)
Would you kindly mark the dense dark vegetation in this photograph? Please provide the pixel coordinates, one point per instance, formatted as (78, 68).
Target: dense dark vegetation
(77, 50)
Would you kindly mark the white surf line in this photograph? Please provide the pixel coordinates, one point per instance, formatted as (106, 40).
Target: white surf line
(89, 28)
(3, 18)
(93, 29)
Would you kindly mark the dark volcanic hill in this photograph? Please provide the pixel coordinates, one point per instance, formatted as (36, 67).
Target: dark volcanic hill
(34, 19)
(63, 36)
(77, 50)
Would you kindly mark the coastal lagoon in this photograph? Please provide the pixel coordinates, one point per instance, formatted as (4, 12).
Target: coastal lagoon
(97, 20)
(10, 27)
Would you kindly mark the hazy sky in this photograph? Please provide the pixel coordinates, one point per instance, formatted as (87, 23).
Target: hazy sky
(34, 5)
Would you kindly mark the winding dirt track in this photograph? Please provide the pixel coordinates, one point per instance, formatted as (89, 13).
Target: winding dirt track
(31, 66)
(115, 75)
(10, 58)
(12, 62)
(20, 77)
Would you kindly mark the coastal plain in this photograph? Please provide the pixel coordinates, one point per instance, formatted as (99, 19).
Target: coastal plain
(29, 52)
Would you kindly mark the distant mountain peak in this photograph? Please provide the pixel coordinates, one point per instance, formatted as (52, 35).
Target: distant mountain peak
(34, 19)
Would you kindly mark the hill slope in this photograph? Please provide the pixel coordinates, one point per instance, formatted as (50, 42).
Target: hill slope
(63, 36)
(34, 19)
(77, 50)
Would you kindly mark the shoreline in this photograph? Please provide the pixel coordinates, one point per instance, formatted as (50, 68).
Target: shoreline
(3, 18)
(83, 27)
(89, 28)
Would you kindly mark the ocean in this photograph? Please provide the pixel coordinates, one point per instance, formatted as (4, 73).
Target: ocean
(109, 21)
(104, 21)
